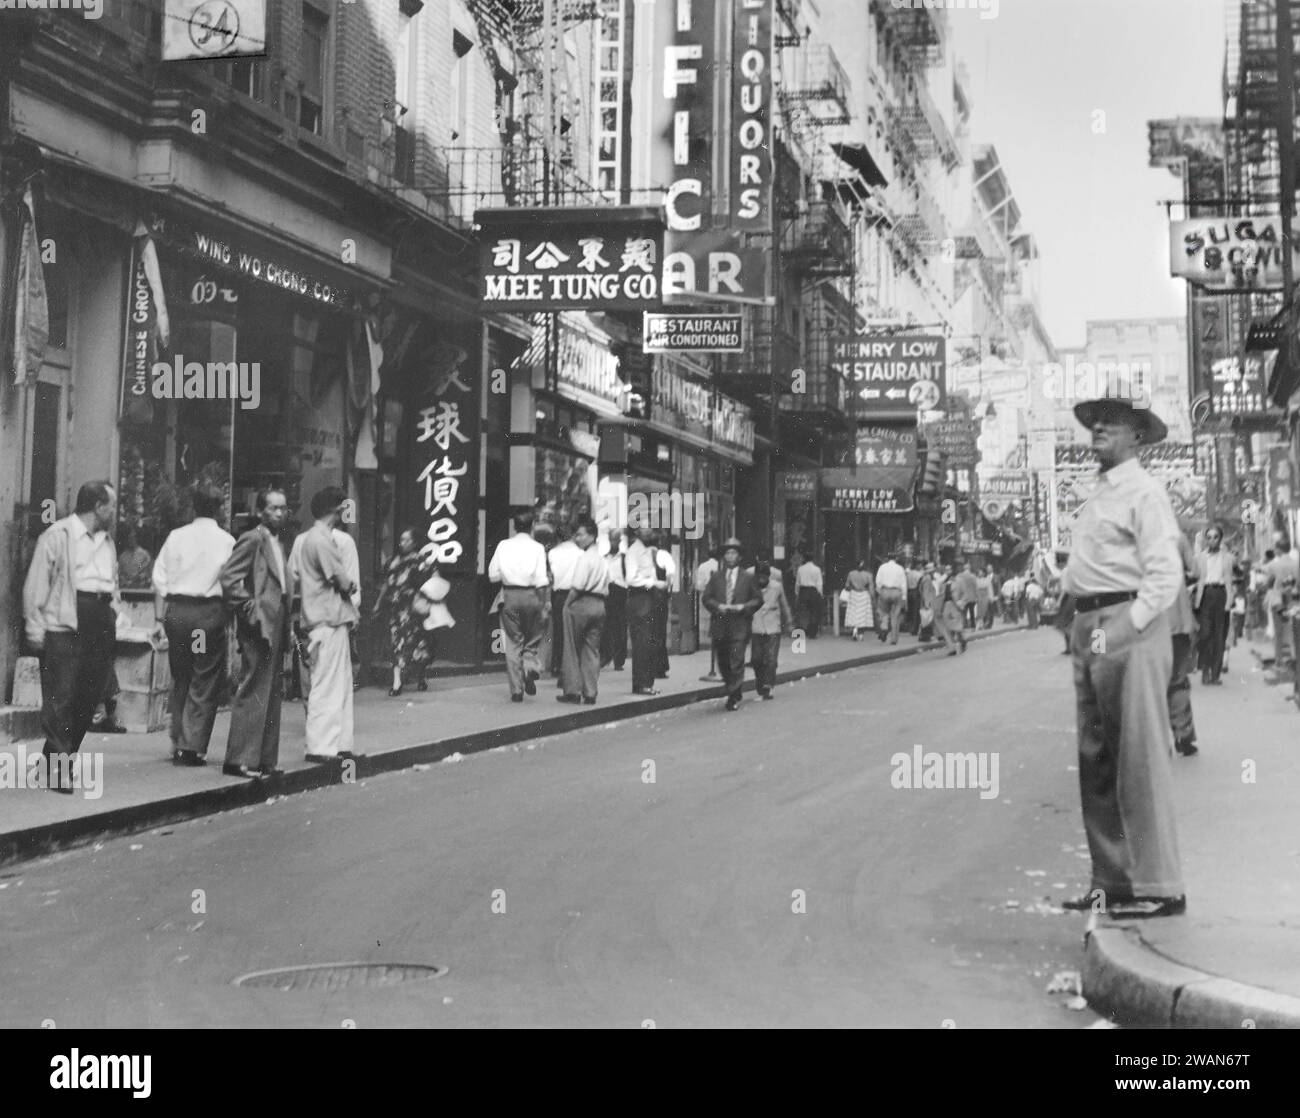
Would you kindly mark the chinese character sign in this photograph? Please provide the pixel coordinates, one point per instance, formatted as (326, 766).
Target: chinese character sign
(1238, 386)
(446, 442)
(550, 263)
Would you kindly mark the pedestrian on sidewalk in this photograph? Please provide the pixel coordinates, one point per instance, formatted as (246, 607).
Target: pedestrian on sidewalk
(1281, 574)
(984, 599)
(965, 593)
(70, 621)
(912, 613)
(1214, 578)
(771, 619)
(951, 619)
(519, 565)
(561, 559)
(891, 592)
(927, 592)
(732, 598)
(255, 582)
(646, 580)
(409, 646)
(191, 614)
(1124, 574)
(1011, 590)
(613, 637)
(584, 618)
(1033, 600)
(1182, 628)
(859, 612)
(665, 561)
(809, 592)
(328, 613)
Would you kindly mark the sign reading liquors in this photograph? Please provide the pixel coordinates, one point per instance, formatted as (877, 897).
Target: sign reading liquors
(890, 374)
(693, 333)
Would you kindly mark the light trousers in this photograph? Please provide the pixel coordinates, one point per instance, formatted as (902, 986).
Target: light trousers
(329, 702)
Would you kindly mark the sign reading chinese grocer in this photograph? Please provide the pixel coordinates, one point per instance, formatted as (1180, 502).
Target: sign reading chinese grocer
(1229, 253)
(886, 375)
(693, 333)
(447, 454)
(581, 259)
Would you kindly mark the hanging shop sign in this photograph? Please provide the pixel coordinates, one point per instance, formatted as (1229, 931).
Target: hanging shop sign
(588, 369)
(842, 491)
(885, 374)
(958, 439)
(447, 426)
(141, 348)
(693, 333)
(1006, 486)
(681, 404)
(1238, 385)
(797, 485)
(750, 196)
(732, 424)
(1229, 253)
(553, 259)
(213, 29)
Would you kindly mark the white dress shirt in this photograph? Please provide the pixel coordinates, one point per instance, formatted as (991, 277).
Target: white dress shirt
(669, 565)
(94, 559)
(614, 567)
(1126, 539)
(891, 576)
(641, 566)
(351, 562)
(564, 558)
(703, 573)
(1218, 568)
(520, 562)
(809, 574)
(189, 564)
(590, 575)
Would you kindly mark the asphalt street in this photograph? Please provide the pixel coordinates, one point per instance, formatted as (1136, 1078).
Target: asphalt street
(771, 874)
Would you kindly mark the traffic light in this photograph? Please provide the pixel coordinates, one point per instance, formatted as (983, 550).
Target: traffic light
(932, 475)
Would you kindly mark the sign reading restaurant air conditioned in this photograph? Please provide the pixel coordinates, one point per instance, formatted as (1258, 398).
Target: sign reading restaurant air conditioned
(692, 333)
(890, 374)
(575, 259)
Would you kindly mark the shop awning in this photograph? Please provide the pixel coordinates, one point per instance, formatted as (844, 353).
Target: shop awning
(861, 160)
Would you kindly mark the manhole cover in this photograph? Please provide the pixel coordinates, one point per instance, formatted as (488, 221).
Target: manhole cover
(339, 976)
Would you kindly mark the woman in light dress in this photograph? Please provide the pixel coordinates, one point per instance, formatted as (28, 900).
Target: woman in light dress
(859, 589)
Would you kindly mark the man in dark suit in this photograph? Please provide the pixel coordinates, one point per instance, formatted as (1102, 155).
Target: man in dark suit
(732, 598)
(255, 582)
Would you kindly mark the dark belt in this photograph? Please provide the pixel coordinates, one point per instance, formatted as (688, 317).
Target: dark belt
(530, 588)
(1086, 603)
(191, 599)
(94, 596)
(584, 594)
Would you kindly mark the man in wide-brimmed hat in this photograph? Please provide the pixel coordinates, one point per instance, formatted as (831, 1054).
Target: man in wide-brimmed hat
(1124, 573)
(732, 597)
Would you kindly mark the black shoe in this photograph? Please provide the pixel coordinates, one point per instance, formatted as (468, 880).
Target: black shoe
(588, 702)
(421, 685)
(1187, 750)
(530, 683)
(733, 703)
(270, 774)
(108, 726)
(188, 758)
(241, 770)
(350, 755)
(62, 789)
(318, 758)
(393, 692)
(1084, 903)
(618, 667)
(516, 698)
(575, 699)
(1144, 908)
(644, 691)
(766, 696)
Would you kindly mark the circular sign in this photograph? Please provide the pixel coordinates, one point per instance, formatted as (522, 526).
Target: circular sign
(924, 394)
(1249, 511)
(214, 27)
(993, 508)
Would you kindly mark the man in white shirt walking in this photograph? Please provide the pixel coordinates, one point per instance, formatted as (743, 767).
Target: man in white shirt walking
(646, 578)
(809, 591)
(563, 557)
(891, 592)
(1214, 581)
(519, 565)
(584, 618)
(190, 611)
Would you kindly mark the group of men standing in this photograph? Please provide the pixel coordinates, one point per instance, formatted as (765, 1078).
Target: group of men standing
(201, 574)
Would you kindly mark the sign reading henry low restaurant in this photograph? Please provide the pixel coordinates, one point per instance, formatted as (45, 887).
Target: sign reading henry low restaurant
(886, 374)
(1229, 253)
(213, 29)
(881, 479)
(693, 333)
(570, 259)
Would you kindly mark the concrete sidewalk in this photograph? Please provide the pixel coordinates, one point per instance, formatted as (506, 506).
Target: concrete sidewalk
(1233, 961)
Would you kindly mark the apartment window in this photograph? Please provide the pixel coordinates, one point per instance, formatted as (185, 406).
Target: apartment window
(246, 76)
(315, 46)
(461, 45)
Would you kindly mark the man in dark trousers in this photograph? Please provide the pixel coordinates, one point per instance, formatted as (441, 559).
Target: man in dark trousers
(255, 582)
(70, 622)
(1124, 574)
(732, 599)
(1215, 576)
(646, 578)
(584, 618)
(190, 612)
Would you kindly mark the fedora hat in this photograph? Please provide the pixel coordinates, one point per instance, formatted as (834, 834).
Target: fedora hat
(1123, 399)
(728, 544)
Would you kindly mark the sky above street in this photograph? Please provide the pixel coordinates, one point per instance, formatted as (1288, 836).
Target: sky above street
(1039, 73)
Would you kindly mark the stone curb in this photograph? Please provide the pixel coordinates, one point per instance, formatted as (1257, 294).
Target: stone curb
(1127, 979)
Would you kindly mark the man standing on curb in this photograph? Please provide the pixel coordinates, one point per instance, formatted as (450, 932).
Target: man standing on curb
(519, 564)
(1123, 575)
(613, 637)
(584, 618)
(190, 612)
(561, 558)
(1214, 580)
(646, 578)
(771, 619)
(1182, 627)
(255, 582)
(809, 595)
(70, 623)
(732, 598)
(328, 614)
(891, 591)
